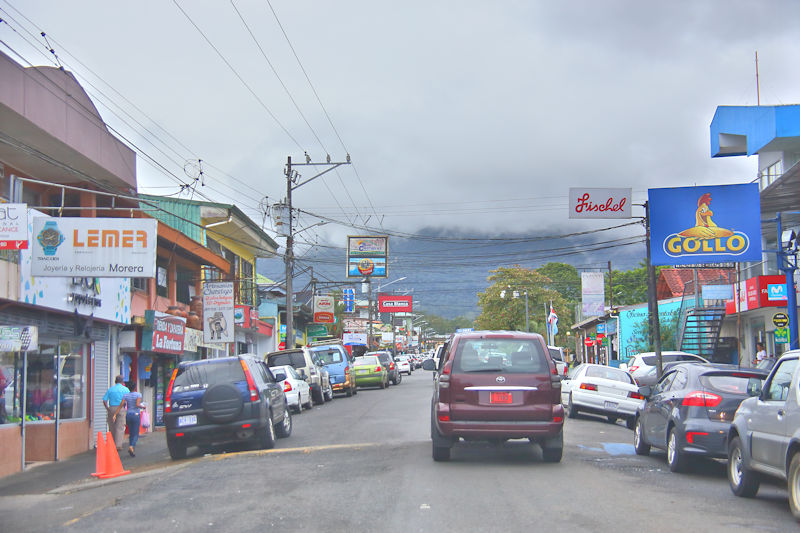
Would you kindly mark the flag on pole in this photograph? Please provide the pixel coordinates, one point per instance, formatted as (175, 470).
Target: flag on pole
(552, 321)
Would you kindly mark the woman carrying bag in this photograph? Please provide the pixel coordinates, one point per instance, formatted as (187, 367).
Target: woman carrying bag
(133, 402)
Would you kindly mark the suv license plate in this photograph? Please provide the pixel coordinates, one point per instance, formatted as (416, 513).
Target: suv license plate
(187, 420)
(500, 397)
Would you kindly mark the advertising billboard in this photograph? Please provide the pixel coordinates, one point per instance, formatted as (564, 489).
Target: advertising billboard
(391, 303)
(367, 256)
(593, 295)
(14, 226)
(599, 203)
(96, 247)
(712, 225)
(349, 297)
(323, 309)
(218, 319)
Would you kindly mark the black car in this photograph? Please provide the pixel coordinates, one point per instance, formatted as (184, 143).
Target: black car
(218, 401)
(689, 411)
(395, 377)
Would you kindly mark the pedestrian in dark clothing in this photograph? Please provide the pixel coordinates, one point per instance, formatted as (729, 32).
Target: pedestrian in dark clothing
(133, 419)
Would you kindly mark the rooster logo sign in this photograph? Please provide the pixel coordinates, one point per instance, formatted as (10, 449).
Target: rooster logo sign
(705, 236)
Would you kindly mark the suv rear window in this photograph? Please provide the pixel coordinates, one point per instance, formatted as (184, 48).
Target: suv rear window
(204, 375)
(295, 359)
(329, 355)
(500, 355)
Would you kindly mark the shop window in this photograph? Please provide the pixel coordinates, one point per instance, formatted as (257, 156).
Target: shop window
(162, 278)
(55, 371)
(184, 286)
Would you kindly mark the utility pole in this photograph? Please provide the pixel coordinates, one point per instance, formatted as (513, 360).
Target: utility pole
(292, 178)
(652, 296)
(369, 299)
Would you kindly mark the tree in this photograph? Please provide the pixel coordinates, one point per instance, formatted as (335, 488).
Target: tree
(564, 278)
(507, 312)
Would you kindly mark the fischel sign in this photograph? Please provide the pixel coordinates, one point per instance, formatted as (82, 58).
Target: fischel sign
(599, 203)
(94, 247)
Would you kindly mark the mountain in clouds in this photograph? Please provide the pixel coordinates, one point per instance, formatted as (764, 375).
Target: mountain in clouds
(445, 270)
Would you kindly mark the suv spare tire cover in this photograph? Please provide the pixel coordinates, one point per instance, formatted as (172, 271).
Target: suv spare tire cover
(222, 403)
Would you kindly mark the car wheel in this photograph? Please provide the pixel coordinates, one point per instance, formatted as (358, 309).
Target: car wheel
(440, 445)
(630, 423)
(793, 485)
(285, 427)
(612, 419)
(553, 449)
(676, 460)
(572, 412)
(310, 403)
(318, 396)
(177, 450)
(329, 394)
(398, 379)
(441, 453)
(267, 438)
(299, 407)
(743, 482)
(349, 392)
(638, 439)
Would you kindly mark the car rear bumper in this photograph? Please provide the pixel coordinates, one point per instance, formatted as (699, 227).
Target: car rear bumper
(485, 429)
(625, 407)
(706, 437)
(372, 379)
(240, 430)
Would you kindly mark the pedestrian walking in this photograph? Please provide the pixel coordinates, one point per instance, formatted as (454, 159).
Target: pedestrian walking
(112, 400)
(133, 404)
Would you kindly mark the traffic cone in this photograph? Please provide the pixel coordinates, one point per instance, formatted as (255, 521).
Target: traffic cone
(113, 463)
(100, 459)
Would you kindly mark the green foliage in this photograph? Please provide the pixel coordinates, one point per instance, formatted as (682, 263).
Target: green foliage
(446, 326)
(507, 312)
(563, 278)
(629, 286)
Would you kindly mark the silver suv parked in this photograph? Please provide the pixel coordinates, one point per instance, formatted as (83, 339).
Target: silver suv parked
(764, 439)
(310, 368)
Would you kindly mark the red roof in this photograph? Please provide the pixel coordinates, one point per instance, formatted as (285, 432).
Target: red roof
(673, 281)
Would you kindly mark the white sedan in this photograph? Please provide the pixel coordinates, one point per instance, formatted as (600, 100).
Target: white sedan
(296, 389)
(403, 364)
(601, 390)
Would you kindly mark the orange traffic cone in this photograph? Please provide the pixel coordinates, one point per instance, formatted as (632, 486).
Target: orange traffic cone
(113, 463)
(100, 459)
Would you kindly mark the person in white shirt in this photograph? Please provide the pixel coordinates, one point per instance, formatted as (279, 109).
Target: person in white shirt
(761, 353)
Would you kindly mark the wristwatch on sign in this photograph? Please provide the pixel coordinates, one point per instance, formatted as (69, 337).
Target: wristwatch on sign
(50, 237)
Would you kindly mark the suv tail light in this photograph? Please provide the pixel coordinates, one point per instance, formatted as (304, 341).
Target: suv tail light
(168, 398)
(701, 398)
(251, 385)
(287, 386)
(588, 386)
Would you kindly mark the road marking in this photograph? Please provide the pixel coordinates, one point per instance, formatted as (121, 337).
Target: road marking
(305, 449)
(425, 506)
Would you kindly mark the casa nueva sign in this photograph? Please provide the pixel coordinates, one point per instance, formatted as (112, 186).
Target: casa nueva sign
(715, 224)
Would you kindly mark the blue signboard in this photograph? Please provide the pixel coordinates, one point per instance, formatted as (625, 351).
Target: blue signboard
(366, 266)
(349, 297)
(714, 224)
(601, 327)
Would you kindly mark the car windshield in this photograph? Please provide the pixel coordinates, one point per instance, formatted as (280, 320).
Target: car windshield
(204, 375)
(328, 355)
(740, 384)
(294, 359)
(500, 355)
(614, 374)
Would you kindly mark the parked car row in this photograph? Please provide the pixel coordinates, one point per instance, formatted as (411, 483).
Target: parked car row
(245, 398)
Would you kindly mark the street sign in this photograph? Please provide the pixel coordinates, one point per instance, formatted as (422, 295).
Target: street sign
(782, 335)
(780, 320)
(390, 303)
(588, 341)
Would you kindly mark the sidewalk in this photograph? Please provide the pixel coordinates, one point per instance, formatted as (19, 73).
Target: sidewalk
(40, 478)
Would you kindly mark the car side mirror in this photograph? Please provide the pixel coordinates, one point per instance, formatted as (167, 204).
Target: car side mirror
(280, 376)
(646, 391)
(429, 364)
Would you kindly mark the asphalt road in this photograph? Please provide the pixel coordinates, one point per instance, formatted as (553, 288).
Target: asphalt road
(364, 464)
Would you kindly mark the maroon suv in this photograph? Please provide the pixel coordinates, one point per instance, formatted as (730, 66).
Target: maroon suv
(496, 386)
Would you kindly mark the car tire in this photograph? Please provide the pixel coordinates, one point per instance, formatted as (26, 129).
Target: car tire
(572, 412)
(317, 395)
(177, 450)
(284, 429)
(630, 422)
(743, 482)
(310, 403)
(349, 392)
(612, 419)
(553, 449)
(267, 438)
(676, 460)
(329, 394)
(793, 485)
(440, 453)
(639, 444)
(398, 379)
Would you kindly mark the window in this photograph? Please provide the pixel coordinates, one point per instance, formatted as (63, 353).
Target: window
(501, 355)
(770, 174)
(664, 384)
(613, 374)
(681, 379)
(57, 371)
(778, 388)
(184, 286)
(139, 284)
(162, 278)
(246, 284)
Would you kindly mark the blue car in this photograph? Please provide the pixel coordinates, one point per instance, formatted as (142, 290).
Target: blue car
(337, 362)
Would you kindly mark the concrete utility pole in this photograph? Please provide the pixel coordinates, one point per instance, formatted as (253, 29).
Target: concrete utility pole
(652, 296)
(288, 258)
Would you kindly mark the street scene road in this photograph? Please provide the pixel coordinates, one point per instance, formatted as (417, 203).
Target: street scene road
(364, 464)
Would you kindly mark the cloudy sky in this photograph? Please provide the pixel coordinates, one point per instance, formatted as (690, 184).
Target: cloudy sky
(472, 115)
